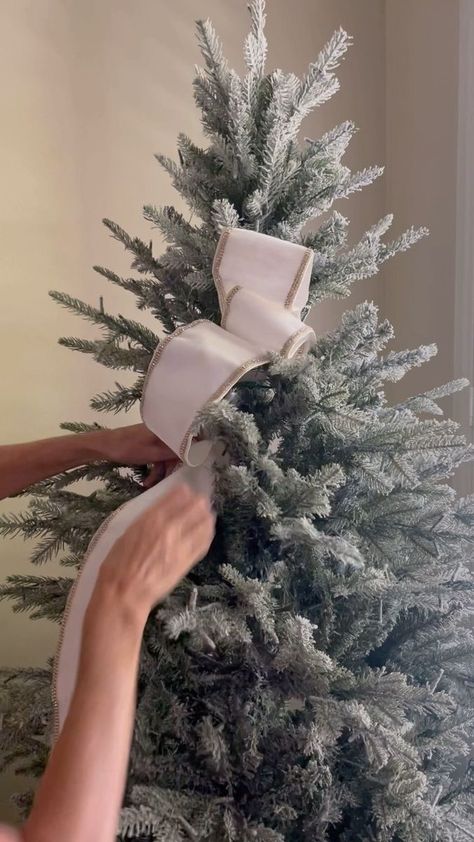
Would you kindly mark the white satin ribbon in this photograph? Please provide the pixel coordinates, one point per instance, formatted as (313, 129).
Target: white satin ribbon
(262, 284)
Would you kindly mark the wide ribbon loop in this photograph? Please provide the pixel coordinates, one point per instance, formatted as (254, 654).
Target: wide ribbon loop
(262, 284)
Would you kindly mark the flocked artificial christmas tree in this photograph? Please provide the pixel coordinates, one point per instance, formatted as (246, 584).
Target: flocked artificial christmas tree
(312, 678)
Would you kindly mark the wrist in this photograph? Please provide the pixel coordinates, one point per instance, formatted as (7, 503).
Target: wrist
(110, 644)
(112, 606)
(94, 445)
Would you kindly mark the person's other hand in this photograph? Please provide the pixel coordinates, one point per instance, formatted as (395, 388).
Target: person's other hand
(137, 445)
(157, 551)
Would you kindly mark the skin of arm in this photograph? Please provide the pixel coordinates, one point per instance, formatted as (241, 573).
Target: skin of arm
(80, 794)
(21, 465)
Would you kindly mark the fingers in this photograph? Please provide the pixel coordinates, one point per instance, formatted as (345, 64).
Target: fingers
(161, 546)
(178, 503)
(191, 523)
(159, 471)
(155, 474)
(164, 508)
(181, 510)
(200, 539)
(197, 529)
(192, 548)
(134, 445)
(159, 451)
(196, 516)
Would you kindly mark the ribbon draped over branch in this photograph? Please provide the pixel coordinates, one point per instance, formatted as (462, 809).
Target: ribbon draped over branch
(262, 285)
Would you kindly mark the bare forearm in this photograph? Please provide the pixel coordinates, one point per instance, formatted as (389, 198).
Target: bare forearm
(22, 465)
(80, 795)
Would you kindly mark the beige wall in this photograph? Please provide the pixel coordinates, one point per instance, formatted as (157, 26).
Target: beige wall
(421, 111)
(91, 90)
(421, 132)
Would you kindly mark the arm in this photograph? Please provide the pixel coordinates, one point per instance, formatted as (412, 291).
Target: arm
(91, 755)
(21, 465)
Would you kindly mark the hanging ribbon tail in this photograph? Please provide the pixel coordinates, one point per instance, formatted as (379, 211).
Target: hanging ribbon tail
(262, 285)
(67, 655)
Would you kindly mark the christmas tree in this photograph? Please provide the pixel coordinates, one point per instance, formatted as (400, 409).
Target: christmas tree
(312, 678)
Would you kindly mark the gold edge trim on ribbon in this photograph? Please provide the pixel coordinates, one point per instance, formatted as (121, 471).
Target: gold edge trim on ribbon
(160, 348)
(298, 278)
(216, 266)
(227, 303)
(224, 300)
(219, 393)
(287, 347)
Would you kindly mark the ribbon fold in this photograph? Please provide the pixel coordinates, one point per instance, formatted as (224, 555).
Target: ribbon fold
(262, 285)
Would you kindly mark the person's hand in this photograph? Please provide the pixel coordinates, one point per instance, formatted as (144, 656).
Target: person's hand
(156, 552)
(136, 445)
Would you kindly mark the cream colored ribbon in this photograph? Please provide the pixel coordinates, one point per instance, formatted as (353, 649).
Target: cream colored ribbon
(263, 285)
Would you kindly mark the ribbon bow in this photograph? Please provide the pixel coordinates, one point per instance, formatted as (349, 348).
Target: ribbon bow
(262, 285)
